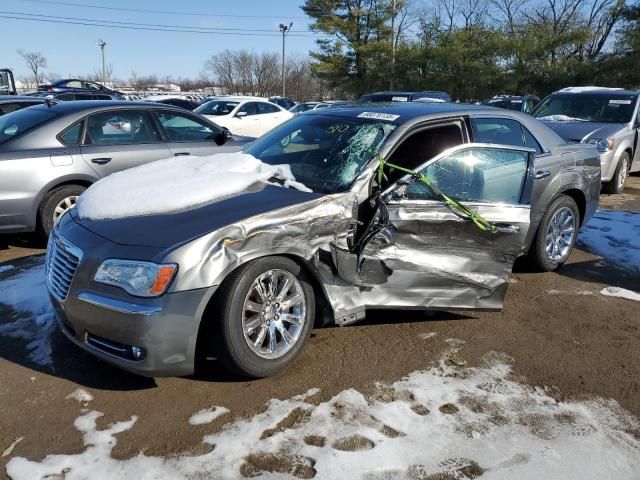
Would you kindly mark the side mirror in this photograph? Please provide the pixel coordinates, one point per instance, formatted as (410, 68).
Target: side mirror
(223, 136)
(241, 114)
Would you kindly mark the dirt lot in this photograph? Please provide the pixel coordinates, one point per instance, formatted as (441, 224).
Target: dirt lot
(561, 333)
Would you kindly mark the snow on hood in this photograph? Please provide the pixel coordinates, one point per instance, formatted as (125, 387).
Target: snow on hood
(176, 184)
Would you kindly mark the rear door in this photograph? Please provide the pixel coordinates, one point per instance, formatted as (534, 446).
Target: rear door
(119, 139)
(189, 135)
(268, 116)
(244, 123)
(436, 256)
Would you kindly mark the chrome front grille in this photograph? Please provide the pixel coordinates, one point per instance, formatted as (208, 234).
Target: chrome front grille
(61, 263)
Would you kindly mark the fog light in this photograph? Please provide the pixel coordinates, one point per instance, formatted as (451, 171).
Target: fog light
(136, 352)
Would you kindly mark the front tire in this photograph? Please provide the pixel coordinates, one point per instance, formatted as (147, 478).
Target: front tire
(266, 313)
(56, 203)
(619, 180)
(556, 235)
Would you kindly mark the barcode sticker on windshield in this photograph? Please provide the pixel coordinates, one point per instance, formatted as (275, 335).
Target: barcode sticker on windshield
(379, 116)
(621, 102)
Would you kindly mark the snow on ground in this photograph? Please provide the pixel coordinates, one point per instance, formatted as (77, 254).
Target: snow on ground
(444, 423)
(80, 395)
(176, 184)
(620, 292)
(26, 294)
(615, 236)
(207, 415)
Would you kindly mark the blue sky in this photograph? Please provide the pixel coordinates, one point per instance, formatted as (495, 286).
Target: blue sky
(72, 49)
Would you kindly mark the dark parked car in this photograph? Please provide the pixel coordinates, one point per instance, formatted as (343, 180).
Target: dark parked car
(381, 97)
(11, 103)
(174, 100)
(248, 275)
(520, 103)
(608, 118)
(284, 102)
(74, 85)
(50, 154)
(68, 96)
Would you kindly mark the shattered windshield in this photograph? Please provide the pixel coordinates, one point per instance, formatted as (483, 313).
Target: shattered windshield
(585, 107)
(326, 153)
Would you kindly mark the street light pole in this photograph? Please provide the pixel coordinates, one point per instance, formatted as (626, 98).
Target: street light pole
(102, 44)
(285, 30)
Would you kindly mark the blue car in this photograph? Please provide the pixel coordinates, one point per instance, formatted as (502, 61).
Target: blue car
(74, 85)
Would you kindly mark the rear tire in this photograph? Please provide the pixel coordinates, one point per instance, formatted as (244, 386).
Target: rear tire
(556, 235)
(54, 204)
(246, 321)
(619, 180)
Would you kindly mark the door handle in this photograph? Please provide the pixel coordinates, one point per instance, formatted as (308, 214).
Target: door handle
(181, 154)
(507, 229)
(542, 174)
(101, 161)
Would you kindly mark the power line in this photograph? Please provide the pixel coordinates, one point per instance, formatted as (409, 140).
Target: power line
(162, 12)
(188, 27)
(136, 26)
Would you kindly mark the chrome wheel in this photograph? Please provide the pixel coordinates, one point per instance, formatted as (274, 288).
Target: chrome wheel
(62, 206)
(622, 173)
(560, 234)
(274, 313)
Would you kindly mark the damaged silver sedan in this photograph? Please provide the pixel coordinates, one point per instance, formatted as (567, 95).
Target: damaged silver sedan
(391, 206)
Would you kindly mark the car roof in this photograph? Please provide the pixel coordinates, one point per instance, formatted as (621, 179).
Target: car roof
(404, 110)
(597, 91)
(21, 98)
(238, 98)
(413, 112)
(76, 106)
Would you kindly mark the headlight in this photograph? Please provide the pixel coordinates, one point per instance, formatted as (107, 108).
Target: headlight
(142, 279)
(602, 144)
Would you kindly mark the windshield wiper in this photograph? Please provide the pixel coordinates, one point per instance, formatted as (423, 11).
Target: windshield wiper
(289, 183)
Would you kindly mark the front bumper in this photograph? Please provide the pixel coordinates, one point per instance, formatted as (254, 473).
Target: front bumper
(107, 322)
(165, 332)
(608, 164)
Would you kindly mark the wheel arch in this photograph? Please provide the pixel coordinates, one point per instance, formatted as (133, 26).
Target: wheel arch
(324, 312)
(579, 197)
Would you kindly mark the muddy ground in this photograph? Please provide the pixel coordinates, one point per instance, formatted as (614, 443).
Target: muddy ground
(560, 331)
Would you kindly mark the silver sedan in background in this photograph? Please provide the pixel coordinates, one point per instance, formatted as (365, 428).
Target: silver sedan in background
(50, 153)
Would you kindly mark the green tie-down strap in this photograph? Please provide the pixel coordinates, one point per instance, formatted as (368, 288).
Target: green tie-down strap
(482, 223)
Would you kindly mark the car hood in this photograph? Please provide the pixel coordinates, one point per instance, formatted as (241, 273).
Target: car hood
(177, 228)
(577, 131)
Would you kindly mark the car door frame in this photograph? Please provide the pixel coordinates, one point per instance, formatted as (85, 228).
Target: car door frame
(117, 147)
(189, 145)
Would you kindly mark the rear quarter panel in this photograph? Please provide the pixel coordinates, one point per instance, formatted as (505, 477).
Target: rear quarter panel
(572, 167)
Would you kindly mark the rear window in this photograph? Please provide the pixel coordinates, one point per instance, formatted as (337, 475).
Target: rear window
(14, 124)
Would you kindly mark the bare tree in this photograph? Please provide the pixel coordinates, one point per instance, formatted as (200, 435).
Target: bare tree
(35, 61)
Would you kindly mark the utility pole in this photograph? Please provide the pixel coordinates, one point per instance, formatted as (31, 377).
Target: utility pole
(285, 30)
(393, 45)
(102, 44)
